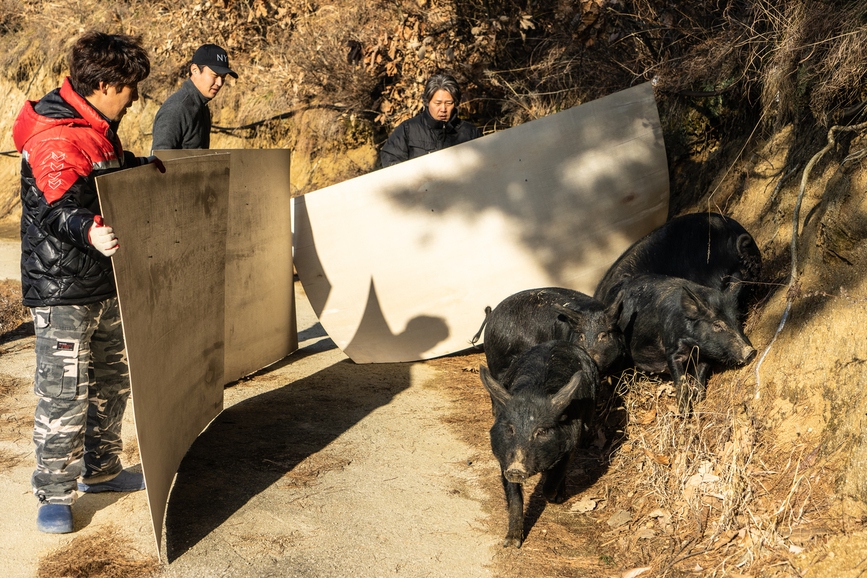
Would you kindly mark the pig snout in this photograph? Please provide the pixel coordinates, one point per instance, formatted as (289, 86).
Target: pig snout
(739, 351)
(516, 471)
(516, 474)
(747, 354)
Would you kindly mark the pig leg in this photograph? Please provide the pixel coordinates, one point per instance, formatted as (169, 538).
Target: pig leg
(553, 481)
(702, 371)
(515, 505)
(676, 362)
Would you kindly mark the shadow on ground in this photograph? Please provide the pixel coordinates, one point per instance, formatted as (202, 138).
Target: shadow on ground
(253, 444)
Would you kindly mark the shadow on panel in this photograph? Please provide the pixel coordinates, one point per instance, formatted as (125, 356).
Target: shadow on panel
(374, 339)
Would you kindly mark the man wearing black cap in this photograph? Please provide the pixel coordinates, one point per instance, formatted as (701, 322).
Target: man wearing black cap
(184, 119)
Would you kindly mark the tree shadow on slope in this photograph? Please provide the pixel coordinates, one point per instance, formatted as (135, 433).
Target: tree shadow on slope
(830, 240)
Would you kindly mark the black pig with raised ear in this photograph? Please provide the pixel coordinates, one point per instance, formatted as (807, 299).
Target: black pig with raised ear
(675, 326)
(534, 316)
(544, 403)
(710, 249)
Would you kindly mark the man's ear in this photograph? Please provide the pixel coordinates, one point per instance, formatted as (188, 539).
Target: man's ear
(194, 68)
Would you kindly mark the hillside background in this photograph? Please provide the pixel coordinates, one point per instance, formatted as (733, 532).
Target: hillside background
(762, 104)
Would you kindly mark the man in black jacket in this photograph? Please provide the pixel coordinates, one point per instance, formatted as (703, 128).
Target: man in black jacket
(184, 119)
(66, 140)
(436, 127)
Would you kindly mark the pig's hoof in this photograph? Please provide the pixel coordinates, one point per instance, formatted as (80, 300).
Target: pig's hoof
(687, 398)
(685, 409)
(557, 496)
(684, 405)
(512, 541)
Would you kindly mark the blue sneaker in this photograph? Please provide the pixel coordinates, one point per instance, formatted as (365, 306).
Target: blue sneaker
(125, 481)
(54, 519)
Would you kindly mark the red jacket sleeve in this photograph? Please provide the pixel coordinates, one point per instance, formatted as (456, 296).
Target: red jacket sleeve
(57, 164)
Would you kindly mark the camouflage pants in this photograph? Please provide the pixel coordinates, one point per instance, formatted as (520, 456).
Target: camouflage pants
(82, 381)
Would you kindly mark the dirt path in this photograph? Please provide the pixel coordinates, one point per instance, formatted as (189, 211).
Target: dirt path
(10, 259)
(317, 467)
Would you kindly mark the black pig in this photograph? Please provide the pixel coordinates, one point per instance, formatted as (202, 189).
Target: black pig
(671, 323)
(542, 405)
(534, 316)
(707, 248)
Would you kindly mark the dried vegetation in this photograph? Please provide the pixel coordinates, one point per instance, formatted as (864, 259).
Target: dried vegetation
(722, 71)
(721, 493)
(14, 317)
(658, 495)
(105, 554)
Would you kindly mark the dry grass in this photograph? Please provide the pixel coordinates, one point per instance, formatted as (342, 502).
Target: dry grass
(12, 313)
(816, 64)
(18, 421)
(714, 491)
(14, 321)
(9, 460)
(716, 71)
(303, 470)
(17, 415)
(105, 554)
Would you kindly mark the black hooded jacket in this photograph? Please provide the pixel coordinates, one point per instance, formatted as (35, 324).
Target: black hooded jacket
(423, 134)
(65, 144)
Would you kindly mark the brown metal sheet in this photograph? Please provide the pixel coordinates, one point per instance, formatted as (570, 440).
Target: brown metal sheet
(260, 301)
(206, 298)
(170, 274)
(399, 264)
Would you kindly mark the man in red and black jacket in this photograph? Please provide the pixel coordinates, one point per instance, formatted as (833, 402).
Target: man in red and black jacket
(67, 139)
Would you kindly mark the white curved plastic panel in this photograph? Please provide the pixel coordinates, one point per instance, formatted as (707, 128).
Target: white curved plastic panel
(399, 264)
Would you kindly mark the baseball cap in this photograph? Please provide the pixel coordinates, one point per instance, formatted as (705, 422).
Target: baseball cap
(215, 58)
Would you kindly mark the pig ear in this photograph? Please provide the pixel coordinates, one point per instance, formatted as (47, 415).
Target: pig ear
(624, 323)
(564, 397)
(570, 316)
(745, 240)
(499, 395)
(730, 293)
(615, 310)
(693, 305)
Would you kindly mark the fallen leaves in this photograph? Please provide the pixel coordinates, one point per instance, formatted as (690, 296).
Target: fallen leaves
(620, 518)
(660, 459)
(694, 483)
(635, 572)
(585, 505)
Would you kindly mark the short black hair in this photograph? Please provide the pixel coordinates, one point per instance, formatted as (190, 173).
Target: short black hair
(114, 59)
